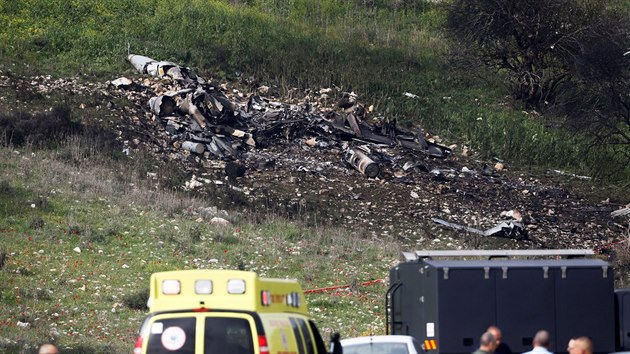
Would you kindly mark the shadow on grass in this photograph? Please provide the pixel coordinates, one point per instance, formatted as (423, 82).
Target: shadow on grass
(17, 349)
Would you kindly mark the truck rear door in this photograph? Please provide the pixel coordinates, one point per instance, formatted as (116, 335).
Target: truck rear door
(622, 304)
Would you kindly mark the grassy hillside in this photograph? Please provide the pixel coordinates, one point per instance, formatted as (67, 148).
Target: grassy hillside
(82, 228)
(379, 49)
(81, 235)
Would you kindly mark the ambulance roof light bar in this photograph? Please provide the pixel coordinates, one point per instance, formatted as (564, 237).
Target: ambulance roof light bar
(203, 286)
(236, 286)
(223, 289)
(171, 287)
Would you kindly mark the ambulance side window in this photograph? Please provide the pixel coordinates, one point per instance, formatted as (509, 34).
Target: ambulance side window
(227, 335)
(172, 334)
(308, 339)
(298, 336)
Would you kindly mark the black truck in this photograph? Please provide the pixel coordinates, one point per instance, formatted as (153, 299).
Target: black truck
(447, 299)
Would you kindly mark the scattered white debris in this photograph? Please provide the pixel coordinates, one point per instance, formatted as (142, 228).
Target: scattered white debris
(123, 81)
(571, 174)
(410, 95)
(621, 212)
(23, 324)
(514, 214)
(219, 221)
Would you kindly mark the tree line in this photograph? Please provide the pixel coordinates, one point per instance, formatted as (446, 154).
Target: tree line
(567, 59)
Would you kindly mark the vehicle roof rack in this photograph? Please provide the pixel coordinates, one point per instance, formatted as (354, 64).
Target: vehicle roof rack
(568, 253)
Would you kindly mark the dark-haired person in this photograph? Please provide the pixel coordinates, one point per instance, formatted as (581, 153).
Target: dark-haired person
(502, 347)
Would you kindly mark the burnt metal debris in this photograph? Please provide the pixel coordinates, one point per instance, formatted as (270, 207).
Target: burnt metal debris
(326, 155)
(362, 162)
(503, 229)
(201, 118)
(621, 212)
(295, 173)
(152, 67)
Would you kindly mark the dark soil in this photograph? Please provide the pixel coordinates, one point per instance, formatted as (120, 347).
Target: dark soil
(313, 184)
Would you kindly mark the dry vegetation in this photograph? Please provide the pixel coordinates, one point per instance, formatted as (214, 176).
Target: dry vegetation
(82, 225)
(81, 233)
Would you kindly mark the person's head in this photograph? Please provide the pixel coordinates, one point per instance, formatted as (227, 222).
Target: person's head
(571, 343)
(48, 349)
(580, 345)
(496, 332)
(542, 339)
(488, 342)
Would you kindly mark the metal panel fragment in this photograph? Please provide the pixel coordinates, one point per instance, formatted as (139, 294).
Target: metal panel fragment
(504, 229)
(193, 147)
(162, 105)
(189, 107)
(362, 163)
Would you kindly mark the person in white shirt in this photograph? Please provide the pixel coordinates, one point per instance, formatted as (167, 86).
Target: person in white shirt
(542, 340)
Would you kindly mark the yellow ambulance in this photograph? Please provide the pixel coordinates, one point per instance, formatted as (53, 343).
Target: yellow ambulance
(226, 311)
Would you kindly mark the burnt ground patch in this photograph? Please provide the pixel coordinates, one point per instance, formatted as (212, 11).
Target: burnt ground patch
(300, 173)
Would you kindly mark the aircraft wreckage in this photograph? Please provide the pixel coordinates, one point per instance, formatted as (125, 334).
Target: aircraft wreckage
(204, 120)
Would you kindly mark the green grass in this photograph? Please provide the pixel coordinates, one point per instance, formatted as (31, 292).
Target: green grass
(80, 191)
(125, 229)
(381, 49)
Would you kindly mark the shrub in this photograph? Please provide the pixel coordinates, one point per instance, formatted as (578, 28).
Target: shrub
(40, 129)
(137, 300)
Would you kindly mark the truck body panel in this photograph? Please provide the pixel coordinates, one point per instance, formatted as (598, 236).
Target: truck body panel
(455, 301)
(622, 303)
